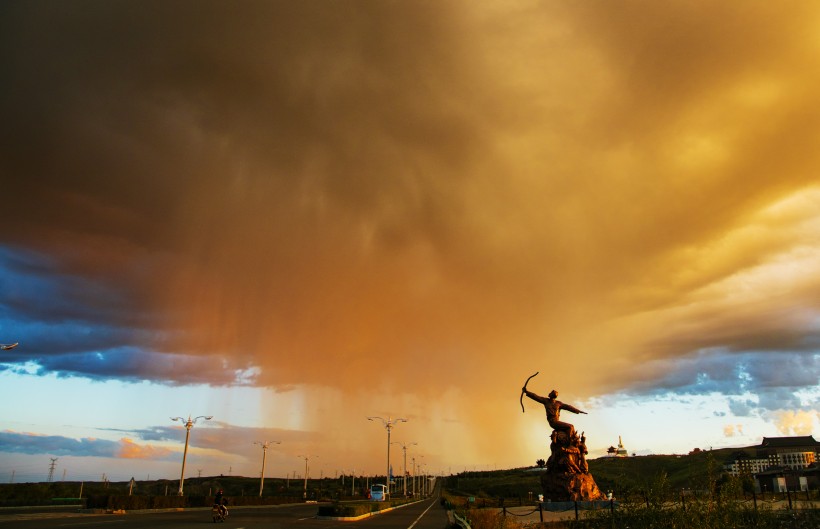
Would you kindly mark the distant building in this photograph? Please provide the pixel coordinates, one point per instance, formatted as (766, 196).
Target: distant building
(780, 462)
(617, 452)
(792, 453)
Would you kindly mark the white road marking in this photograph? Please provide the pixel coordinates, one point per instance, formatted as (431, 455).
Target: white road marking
(422, 514)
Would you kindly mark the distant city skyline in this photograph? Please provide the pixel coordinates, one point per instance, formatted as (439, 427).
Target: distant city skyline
(294, 216)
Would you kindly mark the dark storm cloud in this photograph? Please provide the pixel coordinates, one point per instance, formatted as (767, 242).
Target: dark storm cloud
(167, 137)
(25, 443)
(36, 288)
(74, 326)
(304, 186)
(773, 378)
(135, 365)
(56, 445)
(235, 440)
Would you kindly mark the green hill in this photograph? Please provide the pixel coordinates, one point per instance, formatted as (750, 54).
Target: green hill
(665, 474)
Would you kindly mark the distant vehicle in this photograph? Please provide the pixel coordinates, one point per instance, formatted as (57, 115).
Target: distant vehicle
(379, 492)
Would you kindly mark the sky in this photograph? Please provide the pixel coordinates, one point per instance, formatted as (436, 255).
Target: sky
(292, 216)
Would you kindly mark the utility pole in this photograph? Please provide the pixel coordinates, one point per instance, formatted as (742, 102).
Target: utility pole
(404, 468)
(414, 476)
(421, 476)
(388, 425)
(264, 446)
(188, 425)
(304, 494)
(51, 469)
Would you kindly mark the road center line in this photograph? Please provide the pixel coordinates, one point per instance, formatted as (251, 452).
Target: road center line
(422, 514)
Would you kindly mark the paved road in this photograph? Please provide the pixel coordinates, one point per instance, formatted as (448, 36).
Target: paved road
(427, 514)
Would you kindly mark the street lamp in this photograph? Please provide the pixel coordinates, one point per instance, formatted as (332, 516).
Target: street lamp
(414, 476)
(264, 446)
(422, 486)
(188, 425)
(304, 494)
(404, 469)
(388, 425)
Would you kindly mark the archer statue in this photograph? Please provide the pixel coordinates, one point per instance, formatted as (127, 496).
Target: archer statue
(553, 407)
(566, 476)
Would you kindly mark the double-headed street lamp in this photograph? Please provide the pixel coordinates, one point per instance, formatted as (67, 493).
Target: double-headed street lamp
(404, 477)
(188, 425)
(264, 446)
(388, 425)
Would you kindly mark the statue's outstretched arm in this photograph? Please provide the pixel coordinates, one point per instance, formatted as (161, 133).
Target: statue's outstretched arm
(573, 409)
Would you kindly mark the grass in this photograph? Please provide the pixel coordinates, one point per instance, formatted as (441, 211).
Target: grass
(650, 492)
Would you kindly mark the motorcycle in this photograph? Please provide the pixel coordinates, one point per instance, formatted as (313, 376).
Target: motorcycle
(219, 513)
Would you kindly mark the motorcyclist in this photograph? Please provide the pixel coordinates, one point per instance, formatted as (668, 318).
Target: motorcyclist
(220, 502)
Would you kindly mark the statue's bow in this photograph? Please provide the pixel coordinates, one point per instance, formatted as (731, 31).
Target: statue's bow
(521, 400)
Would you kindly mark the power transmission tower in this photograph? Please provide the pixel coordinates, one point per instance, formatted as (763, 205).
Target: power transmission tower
(51, 469)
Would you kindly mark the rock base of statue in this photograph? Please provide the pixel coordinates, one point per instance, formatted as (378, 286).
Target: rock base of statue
(567, 476)
(570, 487)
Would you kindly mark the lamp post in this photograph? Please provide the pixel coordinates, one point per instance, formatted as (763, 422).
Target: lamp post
(388, 425)
(404, 469)
(423, 489)
(304, 494)
(414, 476)
(188, 425)
(264, 446)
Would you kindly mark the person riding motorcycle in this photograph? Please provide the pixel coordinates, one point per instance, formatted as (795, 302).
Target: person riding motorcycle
(220, 502)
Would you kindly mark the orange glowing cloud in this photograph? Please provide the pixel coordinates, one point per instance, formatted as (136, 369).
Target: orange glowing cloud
(800, 422)
(128, 449)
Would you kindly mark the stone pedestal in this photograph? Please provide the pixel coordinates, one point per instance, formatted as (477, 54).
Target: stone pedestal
(567, 476)
(570, 487)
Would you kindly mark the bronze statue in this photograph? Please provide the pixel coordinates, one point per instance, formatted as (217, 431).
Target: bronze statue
(553, 408)
(582, 456)
(566, 476)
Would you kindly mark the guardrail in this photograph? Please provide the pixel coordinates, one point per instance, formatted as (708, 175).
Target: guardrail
(461, 522)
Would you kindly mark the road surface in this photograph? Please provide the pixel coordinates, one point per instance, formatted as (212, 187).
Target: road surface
(426, 514)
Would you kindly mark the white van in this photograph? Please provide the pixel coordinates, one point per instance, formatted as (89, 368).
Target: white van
(378, 492)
